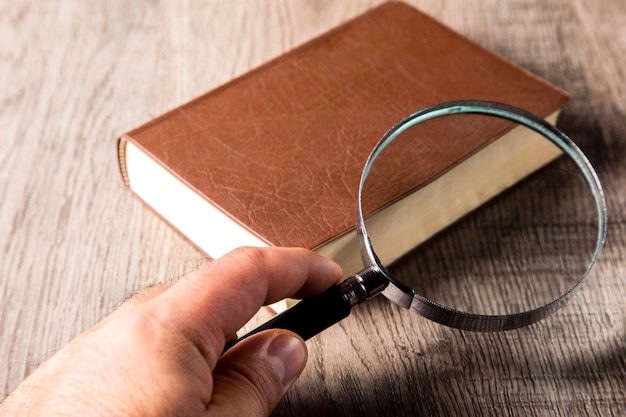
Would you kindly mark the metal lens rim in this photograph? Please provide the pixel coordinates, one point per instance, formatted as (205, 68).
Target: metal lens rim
(404, 296)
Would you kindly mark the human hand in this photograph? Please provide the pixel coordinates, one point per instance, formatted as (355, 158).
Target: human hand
(158, 354)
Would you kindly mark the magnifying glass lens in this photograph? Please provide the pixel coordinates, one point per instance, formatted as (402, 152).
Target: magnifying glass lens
(501, 230)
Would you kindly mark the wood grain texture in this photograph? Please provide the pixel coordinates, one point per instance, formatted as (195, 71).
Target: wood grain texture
(74, 243)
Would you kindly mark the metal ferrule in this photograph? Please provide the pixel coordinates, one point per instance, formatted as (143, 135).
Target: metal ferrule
(363, 285)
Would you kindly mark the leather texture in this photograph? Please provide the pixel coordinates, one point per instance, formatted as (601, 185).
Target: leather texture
(280, 149)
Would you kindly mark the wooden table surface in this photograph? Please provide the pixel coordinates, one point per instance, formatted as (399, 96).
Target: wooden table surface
(73, 242)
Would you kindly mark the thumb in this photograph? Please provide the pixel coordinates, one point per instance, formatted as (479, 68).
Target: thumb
(253, 376)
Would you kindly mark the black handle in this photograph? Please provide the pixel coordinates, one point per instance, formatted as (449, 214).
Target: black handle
(310, 316)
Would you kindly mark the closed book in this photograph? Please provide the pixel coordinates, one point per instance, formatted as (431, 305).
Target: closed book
(274, 157)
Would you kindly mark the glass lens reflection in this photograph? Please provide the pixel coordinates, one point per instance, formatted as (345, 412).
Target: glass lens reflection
(519, 250)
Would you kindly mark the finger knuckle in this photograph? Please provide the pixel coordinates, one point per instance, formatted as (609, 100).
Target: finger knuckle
(250, 256)
(257, 383)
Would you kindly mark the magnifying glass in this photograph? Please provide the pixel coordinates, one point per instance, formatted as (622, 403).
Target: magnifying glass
(506, 266)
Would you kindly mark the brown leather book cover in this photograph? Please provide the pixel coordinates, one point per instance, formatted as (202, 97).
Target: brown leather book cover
(279, 150)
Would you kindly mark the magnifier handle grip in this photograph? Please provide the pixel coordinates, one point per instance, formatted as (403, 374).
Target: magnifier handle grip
(309, 317)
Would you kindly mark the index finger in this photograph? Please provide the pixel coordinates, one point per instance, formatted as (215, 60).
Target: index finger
(218, 299)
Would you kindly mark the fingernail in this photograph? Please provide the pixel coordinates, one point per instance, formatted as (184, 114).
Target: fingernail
(289, 356)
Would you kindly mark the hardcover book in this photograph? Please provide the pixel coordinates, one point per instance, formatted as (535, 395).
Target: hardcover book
(273, 157)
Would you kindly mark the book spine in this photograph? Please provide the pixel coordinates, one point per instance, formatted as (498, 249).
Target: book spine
(121, 159)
